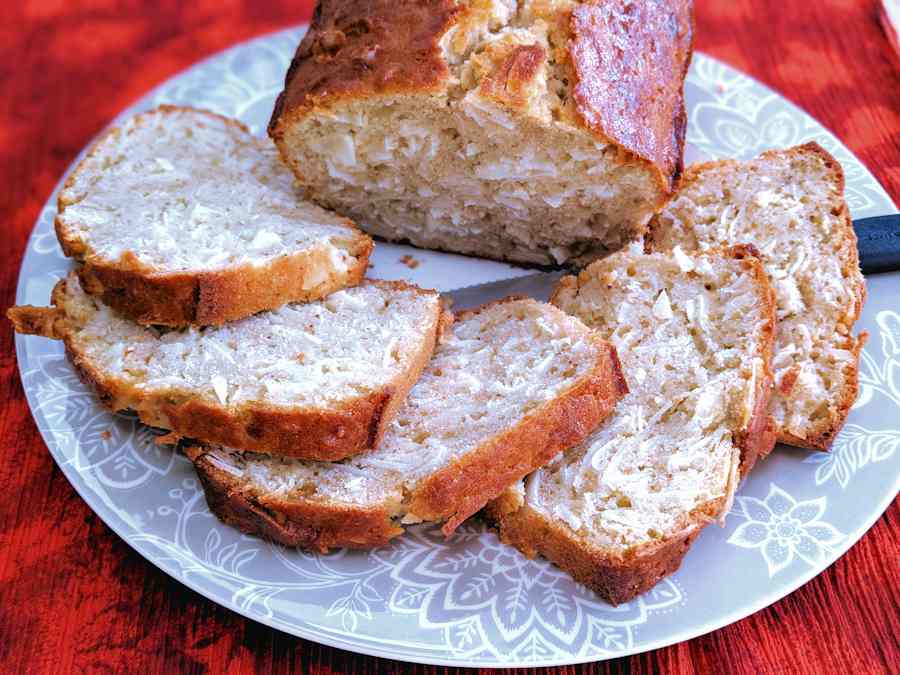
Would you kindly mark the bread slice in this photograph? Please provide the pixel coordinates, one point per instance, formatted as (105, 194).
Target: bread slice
(319, 380)
(510, 386)
(538, 132)
(181, 216)
(790, 204)
(695, 336)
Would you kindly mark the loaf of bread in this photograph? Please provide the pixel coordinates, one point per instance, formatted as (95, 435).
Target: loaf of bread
(510, 386)
(532, 131)
(319, 380)
(790, 204)
(181, 216)
(695, 335)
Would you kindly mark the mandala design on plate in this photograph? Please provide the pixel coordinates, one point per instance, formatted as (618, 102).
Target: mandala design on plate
(116, 450)
(490, 601)
(783, 529)
(468, 600)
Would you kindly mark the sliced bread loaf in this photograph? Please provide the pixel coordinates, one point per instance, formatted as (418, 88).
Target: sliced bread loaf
(790, 204)
(535, 131)
(317, 380)
(510, 386)
(181, 216)
(695, 336)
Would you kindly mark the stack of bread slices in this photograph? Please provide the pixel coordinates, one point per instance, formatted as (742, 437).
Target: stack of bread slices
(321, 409)
(216, 297)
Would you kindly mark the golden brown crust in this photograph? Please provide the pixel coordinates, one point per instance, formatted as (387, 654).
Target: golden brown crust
(47, 322)
(327, 434)
(358, 50)
(509, 81)
(459, 490)
(631, 97)
(824, 433)
(306, 524)
(757, 438)
(211, 298)
(630, 61)
(616, 579)
(201, 297)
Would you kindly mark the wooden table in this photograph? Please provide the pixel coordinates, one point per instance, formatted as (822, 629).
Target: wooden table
(74, 597)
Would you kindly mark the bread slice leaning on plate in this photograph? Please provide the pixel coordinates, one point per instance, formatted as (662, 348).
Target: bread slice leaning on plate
(538, 132)
(695, 335)
(320, 380)
(181, 216)
(790, 204)
(510, 386)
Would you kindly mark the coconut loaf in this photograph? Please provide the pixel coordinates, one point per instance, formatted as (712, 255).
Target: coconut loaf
(531, 131)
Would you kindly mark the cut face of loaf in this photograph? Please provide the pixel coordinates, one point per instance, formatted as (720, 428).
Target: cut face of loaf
(532, 131)
(510, 386)
(790, 205)
(181, 216)
(319, 380)
(695, 336)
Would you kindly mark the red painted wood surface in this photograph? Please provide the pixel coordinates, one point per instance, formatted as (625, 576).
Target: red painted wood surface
(74, 597)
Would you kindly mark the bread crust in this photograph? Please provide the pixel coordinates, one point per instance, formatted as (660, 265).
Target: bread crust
(328, 434)
(204, 297)
(301, 523)
(620, 576)
(645, 116)
(822, 434)
(357, 51)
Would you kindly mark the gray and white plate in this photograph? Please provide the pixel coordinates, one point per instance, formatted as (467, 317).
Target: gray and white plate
(471, 600)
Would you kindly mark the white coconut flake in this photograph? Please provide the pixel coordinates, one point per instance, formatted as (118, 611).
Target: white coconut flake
(766, 198)
(662, 308)
(685, 263)
(264, 239)
(220, 385)
(164, 164)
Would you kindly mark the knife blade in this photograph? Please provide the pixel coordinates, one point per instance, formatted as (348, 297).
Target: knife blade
(879, 251)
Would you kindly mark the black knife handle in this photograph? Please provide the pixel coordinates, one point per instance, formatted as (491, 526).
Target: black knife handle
(879, 243)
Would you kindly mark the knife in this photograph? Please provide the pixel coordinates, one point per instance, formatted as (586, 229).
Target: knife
(878, 242)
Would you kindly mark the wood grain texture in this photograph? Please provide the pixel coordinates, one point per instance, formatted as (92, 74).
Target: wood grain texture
(75, 598)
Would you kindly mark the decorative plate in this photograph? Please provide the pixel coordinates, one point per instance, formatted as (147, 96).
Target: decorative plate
(470, 600)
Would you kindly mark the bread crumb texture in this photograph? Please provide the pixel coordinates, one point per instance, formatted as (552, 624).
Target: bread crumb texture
(183, 190)
(492, 370)
(693, 351)
(537, 131)
(302, 355)
(790, 205)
